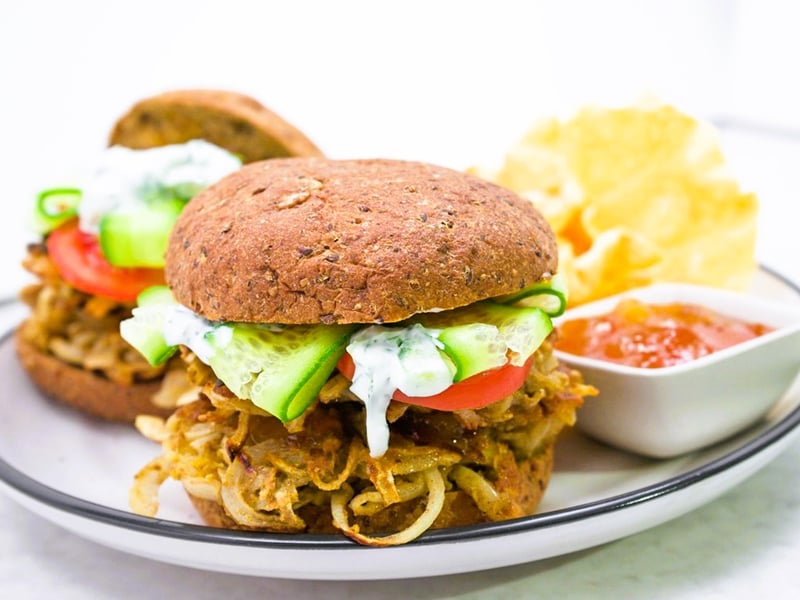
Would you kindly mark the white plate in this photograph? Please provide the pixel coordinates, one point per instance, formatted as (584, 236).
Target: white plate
(76, 473)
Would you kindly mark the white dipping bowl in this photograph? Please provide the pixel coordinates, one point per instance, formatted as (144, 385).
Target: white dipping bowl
(669, 411)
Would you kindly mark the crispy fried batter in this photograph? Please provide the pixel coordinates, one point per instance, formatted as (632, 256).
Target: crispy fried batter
(71, 347)
(495, 461)
(78, 328)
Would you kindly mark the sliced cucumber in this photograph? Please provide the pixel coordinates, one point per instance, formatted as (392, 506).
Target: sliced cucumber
(137, 235)
(523, 328)
(280, 369)
(551, 296)
(474, 348)
(155, 294)
(187, 190)
(486, 335)
(145, 332)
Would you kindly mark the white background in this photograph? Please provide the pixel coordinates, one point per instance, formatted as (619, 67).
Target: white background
(449, 82)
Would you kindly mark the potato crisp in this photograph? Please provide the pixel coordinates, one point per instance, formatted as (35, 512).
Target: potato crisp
(635, 196)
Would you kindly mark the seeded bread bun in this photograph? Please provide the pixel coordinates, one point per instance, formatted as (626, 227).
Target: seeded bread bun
(230, 120)
(84, 390)
(310, 240)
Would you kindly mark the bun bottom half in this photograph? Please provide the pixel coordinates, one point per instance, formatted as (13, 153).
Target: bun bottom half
(84, 390)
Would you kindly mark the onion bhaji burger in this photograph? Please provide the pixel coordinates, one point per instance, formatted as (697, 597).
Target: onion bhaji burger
(104, 242)
(370, 340)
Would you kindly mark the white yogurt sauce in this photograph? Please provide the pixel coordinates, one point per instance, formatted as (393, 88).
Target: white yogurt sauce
(181, 326)
(387, 359)
(127, 177)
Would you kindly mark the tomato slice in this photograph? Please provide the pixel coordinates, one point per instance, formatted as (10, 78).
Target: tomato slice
(473, 392)
(79, 259)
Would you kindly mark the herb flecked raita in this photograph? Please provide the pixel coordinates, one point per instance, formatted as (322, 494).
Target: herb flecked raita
(386, 359)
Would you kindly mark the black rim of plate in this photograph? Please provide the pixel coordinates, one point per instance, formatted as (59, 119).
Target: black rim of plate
(198, 533)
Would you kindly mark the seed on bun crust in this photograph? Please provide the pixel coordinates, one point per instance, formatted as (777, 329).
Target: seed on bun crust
(352, 241)
(228, 119)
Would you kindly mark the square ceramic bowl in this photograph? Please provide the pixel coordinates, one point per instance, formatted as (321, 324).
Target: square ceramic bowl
(670, 411)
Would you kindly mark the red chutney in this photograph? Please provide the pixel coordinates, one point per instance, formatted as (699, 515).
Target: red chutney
(653, 336)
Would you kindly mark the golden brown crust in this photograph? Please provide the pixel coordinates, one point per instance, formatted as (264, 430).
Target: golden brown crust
(354, 241)
(93, 394)
(228, 119)
(244, 469)
(459, 509)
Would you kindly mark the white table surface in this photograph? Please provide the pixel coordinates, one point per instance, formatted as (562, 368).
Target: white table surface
(746, 544)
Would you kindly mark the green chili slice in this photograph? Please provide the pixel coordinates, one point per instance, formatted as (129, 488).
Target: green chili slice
(550, 295)
(55, 206)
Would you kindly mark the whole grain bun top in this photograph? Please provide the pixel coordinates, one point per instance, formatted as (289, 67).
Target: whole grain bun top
(227, 119)
(304, 240)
